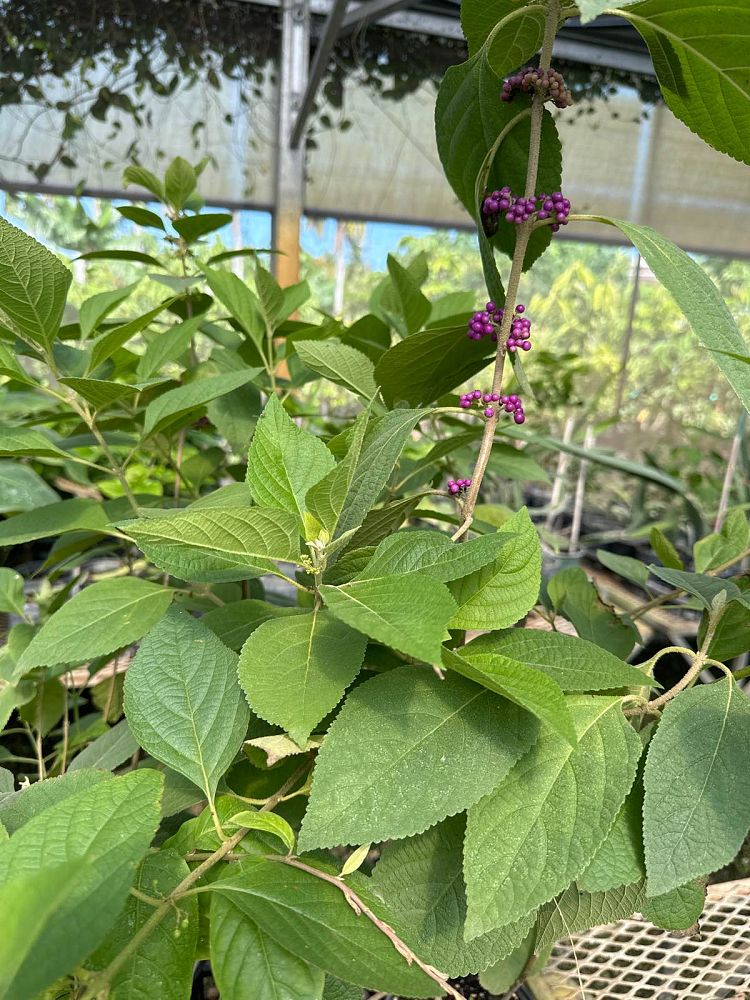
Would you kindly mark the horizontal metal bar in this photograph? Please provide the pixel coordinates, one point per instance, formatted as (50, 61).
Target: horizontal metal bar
(371, 10)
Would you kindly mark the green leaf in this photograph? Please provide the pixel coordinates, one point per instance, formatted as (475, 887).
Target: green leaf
(141, 216)
(716, 549)
(694, 292)
(421, 881)
(574, 596)
(705, 588)
(542, 825)
(701, 61)
(108, 343)
(514, 463)
(134, 173)
(192, 227)
(22, 489)
(574, 912)
(98, 620)
(234, 623)
(696, 810)
(33, 285)
(248, 964)
(410, 613)
(18, 808)
(504, 591)
(339, 363)
(336, 989)
(27, 441)
(312, 919)
(179, 182)
(625, 566)
(270, 296)
(132, 255)
(54, 519)
(162, 964)
(665, 550)
(387, 770)
(619, 860)
(172, 406)
(235, 541)
(240, 301)
(268, 822)
(427, 365)
(434, 554)
(107, 751)
(325, 500)
(10, 366)
(99, 392)
(284, 460)
(522, 962)
(11, 592)
(105, 830)
(96, 308)
(414, 307)
(295, 670)
(479, 18)
(383, 443)
(679, 909)
(529, 688)
(168, 346)
(576, 664)
(591, 8)
(182, 700)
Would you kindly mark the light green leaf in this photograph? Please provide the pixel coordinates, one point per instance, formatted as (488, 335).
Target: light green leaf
(312, 919)
(701, 60)
(521, 963)
(410, 613)
(336, 989)
(505, 590)
(162, 965)
(576, 665)
(183, 702)
(248, 964)
(33, 285)
(134, 173)
(619, 860)
(96, 621)
(108, 343)
(295, 670)
(22, 489)
(696, 810)
(192, 227)
(389, 770)
(591, 8)
(266, 821)
(414, 307)
(679, 909)
(421, 881)
(96, 308)
(625, 566)
(665, 550)
(107, 751)
(234, 623)
(27, 441)
(434, 554)
(270, 295)
(192, 544)
(516, 464)
(542, 825)
(10, 366)
(99, 392)
(574, 911)
(55, 519)
(19, 807)
(339, 363)
(105, 830)
(276, 748)
(11, 591)
(240, 301)
(284, 460)
(172, 406)
(383, 443)
(179, 182)
(574, 596)
(729, 542)
(168, 346)
(325, 500)
(705, 588)
(529, 688)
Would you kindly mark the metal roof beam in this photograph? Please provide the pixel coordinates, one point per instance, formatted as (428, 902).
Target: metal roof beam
(371, 10)
(331, 31)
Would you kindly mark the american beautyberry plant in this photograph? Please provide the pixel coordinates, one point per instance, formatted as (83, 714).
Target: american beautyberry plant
(282, 701)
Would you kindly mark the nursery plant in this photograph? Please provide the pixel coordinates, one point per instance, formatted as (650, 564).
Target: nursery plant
(283, 689)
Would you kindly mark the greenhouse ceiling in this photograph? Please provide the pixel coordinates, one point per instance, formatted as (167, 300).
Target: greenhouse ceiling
(239, 82)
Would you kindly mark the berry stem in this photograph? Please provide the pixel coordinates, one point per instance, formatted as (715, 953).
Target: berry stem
(519, 255)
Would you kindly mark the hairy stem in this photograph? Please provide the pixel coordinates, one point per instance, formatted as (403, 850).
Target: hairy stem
(519, 255)
(672, 594)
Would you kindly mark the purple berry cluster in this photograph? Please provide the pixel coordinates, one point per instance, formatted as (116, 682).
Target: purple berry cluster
(544, 81)
(485, 324)
(456, 486)
(479, 398)
(518, 209)
(513, 404)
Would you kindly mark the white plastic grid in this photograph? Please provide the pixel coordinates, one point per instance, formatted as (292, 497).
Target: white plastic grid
(633, 960)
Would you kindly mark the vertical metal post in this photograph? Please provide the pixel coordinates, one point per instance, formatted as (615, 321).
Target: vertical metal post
(290, 163)
(237, 262)
(339, 253)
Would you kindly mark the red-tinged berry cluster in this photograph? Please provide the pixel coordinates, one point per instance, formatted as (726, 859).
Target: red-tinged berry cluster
(542, 81)
(486, 323)
(456, 486)
(517, 210)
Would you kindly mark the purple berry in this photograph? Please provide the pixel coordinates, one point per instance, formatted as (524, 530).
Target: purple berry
(489, 412)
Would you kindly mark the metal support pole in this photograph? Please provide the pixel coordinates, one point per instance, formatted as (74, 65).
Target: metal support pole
(363, 13)
(320, 63)
(290, 163)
